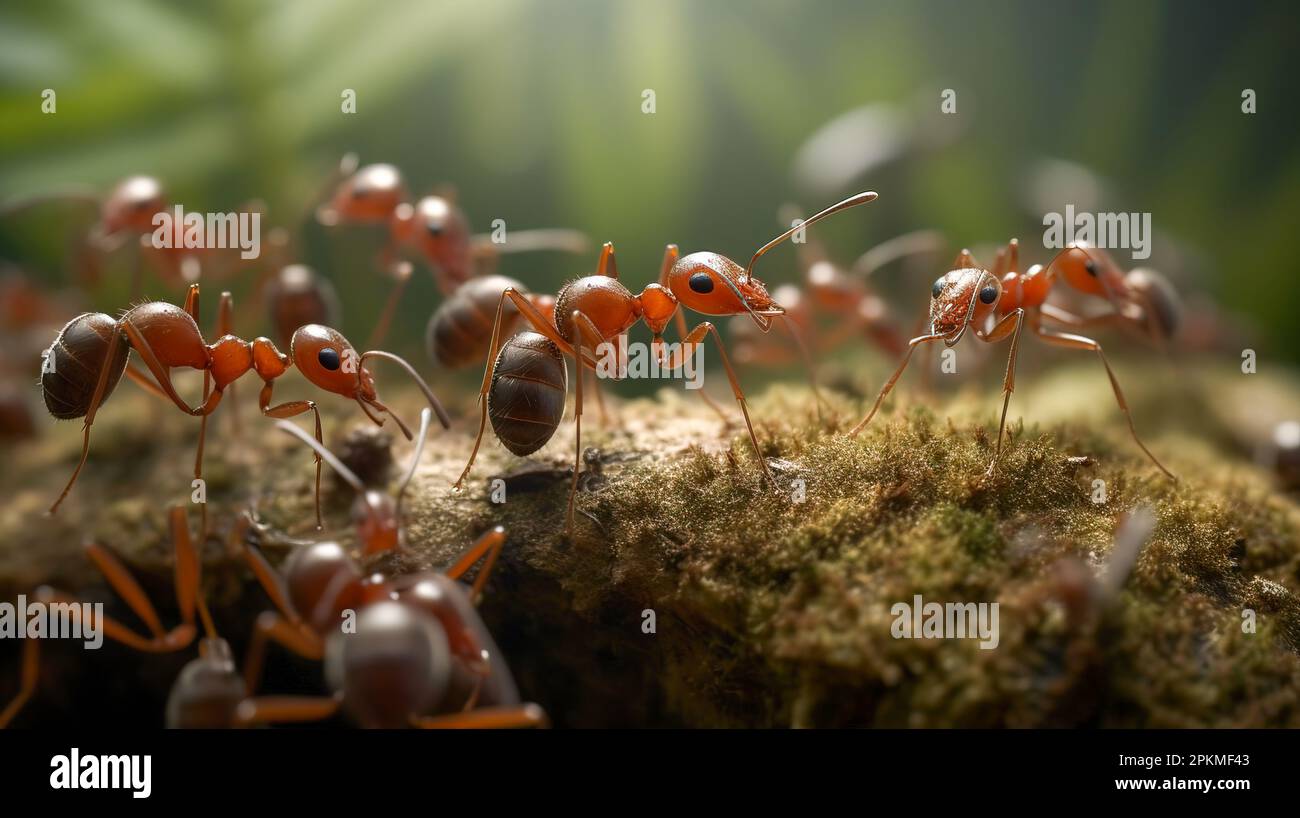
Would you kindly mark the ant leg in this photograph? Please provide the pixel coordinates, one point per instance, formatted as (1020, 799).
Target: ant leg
(29, 676)
(401, 272)
(176, 639)
(490, 545)
(286, 708)
(160, 374)
(293, 636)
(189, 595)
(486, 718)
(291, 409)
(697, 336)
(1011, 324)
(713, 404)
(95, 399)
(540, 324)
(600, 397)
(671, 253)
(807, 362)
(607, 265)
(1080, 342)
(585, 331)
(225, 324)
(889, 385)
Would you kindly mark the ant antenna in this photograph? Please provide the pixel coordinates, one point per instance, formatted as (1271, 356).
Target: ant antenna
(349, 476)
(852, 201)
(443, 417)
(425, 417)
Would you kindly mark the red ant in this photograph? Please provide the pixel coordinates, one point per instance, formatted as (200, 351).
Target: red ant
(971, 296)
(419, 646)
(435, 226)
(189, 600)
(525, 382)
(1142, 300)
(90, 354)
(841, 293)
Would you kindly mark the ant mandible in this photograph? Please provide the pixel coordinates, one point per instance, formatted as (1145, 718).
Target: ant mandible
(90, 354)
(435, 226)
(449, 670)
(969, 296)
(596, 309)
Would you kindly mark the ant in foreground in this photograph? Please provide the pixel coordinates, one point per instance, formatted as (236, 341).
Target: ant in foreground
(419, 654)
(189, 599)
(524, 384)
(971, 296)
(434, 226)
(90, 354)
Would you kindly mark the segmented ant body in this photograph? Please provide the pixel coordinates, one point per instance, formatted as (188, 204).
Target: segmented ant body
(998, 309)
(1142, 300)
(434, 227)
(419, 655)
(524, 383)
(90, 355)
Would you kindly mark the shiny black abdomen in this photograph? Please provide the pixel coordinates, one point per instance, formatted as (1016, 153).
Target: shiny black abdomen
(74, 361)
(526, 400)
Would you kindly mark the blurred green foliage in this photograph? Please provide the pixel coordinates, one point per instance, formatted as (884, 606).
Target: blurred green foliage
(533, 110)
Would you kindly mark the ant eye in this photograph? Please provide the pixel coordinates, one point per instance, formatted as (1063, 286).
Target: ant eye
(938, 287)
(329, 358)
(989, 294)
(1091, 267)
(702, 283)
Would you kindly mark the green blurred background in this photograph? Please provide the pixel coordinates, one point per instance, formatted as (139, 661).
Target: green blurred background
(534, 111)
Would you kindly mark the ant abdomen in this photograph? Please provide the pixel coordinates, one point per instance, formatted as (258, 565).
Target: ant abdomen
(73, 362)
(529, 384)
(461, 329)
(1160, 297)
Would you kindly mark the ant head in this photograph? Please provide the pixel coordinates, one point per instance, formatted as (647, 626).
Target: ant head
(329, 361)
(131, 206)
(398, 662)
(715, 285)
(1153, 291)
(658, 306)
(439, 229)
(960, 298)
(1089, 270)
(369, 195)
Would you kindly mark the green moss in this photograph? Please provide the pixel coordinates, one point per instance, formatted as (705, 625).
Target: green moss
(772, 611)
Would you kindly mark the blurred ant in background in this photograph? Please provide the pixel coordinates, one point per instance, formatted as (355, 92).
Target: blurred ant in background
(999, 308)
(128, 216)
(434, 227)
(420, 654)
(90, 355)
(525, 382)
(840, 294)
